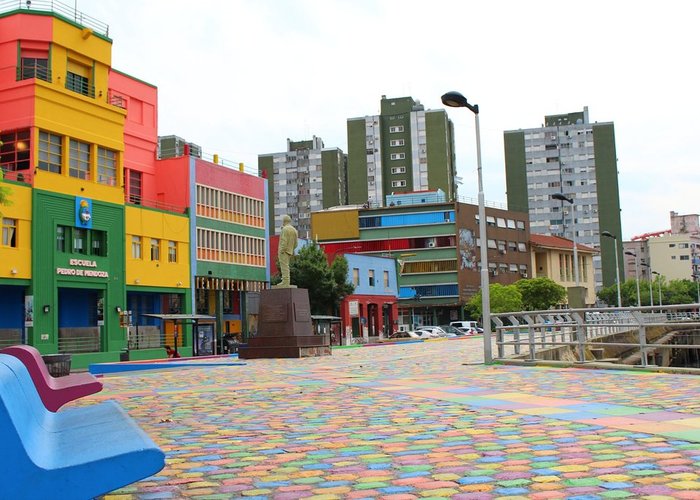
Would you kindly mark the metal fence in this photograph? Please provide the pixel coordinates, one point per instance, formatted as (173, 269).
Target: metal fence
(632, 335)
(65, 11)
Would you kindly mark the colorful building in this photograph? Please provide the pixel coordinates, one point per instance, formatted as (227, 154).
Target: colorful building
(99, 231)
(435, 245)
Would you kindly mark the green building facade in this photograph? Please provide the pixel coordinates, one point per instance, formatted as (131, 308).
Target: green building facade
(404, 149)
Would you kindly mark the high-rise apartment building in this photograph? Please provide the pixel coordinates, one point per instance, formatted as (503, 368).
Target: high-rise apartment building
(405, 148)
(306, 178)
(568, 155)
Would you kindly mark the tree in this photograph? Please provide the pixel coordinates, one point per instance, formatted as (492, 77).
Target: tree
(540, 293)
(327, 285)
(504, 298)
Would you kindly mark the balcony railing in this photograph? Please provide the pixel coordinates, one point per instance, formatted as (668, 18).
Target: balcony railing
(160, 205)
(66, 11)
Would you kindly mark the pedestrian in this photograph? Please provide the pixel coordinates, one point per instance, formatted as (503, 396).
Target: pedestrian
(172, 353)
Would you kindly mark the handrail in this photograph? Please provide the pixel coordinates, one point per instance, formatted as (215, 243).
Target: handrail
(63, 10)
(583, 329)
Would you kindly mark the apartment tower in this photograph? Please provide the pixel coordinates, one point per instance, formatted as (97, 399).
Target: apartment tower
(405, 148)
(568, 155)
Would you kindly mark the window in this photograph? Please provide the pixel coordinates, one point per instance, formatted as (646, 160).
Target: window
(155, 249)
(395, 129)
(520, 224)
(98, 240)
(106, 166)
(386, 279)
(172, 251)
(522, 247)
(355, 276)
(370, 281)
(397, 156)
(134, 186)
(14, 150)
(491, 244)
(490, 220)
(50, 152)
(78, 78)
(9, 232)
(79, 160)
(501, 222)
(136, 247)
(79, 240)
(35, 67)
(685, 257)
(60, 238)
(398, 184)
(398, 170)
(396, 142)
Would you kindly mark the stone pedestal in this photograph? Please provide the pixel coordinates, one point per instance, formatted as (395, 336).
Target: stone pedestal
(284, 328)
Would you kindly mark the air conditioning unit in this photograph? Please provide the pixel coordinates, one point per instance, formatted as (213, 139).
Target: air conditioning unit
(431, 244)
(494, 272)
(524, 275)
(502, 252)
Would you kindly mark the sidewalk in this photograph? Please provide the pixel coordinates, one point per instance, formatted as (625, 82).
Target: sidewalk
(414, 421)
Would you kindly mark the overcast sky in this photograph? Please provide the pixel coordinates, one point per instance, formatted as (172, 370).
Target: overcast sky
(239, 77)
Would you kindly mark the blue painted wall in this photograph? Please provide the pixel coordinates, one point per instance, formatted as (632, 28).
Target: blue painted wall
(73, 311)
(379, 264)
(12, 306)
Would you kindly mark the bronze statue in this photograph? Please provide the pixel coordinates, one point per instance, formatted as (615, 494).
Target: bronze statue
(288, 242)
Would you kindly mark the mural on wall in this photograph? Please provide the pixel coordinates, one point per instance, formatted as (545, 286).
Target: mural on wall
(467, 250)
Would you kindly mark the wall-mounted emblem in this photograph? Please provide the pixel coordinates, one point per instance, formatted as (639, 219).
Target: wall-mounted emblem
(83, 213)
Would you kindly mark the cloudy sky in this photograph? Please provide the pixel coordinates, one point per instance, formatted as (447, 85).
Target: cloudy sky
(239, 77)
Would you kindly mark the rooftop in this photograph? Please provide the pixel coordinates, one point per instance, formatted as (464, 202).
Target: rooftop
(64, 11)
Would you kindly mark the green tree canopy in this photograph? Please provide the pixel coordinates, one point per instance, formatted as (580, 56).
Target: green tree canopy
(327, 285)
(540, 293)
(673, 292)
(503, 298)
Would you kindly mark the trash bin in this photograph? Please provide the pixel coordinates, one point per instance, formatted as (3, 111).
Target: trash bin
(124, 355)
(58, 364)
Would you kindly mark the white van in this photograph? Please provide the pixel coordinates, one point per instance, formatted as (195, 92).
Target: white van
(464, 324)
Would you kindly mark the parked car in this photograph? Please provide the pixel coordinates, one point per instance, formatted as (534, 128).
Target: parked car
(422, 334)
(467, 331)
(449, 331)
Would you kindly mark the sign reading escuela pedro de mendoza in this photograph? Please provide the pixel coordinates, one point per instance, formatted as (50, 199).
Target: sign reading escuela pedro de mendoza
(82, 267)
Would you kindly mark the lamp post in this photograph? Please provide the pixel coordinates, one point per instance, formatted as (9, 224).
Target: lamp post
(608, 234)
(661, 300)
(457, 100)
(697, 285)
(651, 294)
(636, 274)
(561, 197)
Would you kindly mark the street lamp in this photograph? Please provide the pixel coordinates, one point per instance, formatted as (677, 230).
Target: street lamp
(608, 234)
(636, 274)
(561, 197)
(457, 100)
(651, 294)
(697, 285)
(661, 300)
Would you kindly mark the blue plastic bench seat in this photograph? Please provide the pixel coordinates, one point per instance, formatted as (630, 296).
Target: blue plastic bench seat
(75, 453)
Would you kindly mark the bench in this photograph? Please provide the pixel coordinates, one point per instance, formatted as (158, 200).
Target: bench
(54, 391)
(76, 453)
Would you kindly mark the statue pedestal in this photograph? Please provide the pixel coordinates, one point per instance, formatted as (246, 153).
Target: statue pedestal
(285, 329)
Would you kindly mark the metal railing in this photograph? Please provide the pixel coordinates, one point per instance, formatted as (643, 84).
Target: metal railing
(620, 335)
(63, 10)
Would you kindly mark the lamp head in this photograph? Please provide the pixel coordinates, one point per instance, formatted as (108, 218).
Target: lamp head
(631, 253)
(454, 100)
(608, 234)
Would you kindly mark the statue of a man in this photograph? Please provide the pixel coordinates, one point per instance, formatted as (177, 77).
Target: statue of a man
(288, 242)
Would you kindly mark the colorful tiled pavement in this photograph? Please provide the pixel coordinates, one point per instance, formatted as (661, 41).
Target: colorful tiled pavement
(414, 421)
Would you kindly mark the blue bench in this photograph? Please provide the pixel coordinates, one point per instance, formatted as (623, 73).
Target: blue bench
(76, 453)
